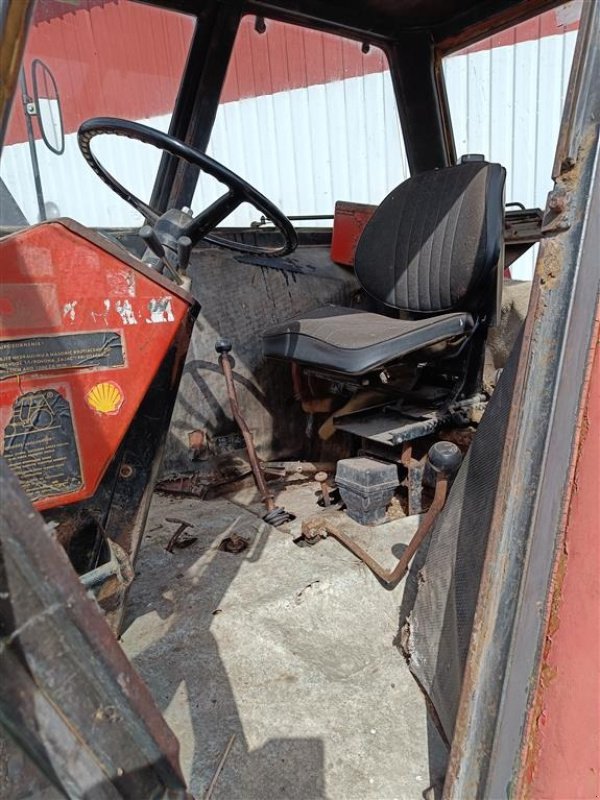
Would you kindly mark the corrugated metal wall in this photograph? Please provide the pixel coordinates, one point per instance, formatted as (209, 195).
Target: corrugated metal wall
(506, 102)
(309, 147)
(333, 133)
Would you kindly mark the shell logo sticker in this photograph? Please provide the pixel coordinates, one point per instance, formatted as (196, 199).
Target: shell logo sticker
(105, 398)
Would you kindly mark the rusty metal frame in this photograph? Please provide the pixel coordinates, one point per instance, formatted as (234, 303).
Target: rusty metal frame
(14, 24)
(68, 695)
(472, 25)
(506, 645)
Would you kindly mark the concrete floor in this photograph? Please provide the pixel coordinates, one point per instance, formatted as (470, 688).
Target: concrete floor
(289, 648)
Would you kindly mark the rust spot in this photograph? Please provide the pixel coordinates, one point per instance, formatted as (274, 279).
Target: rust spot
(548, 674)
(550, 264)
(558, 203)
(462, 437)
(196, 439)
(234, 544)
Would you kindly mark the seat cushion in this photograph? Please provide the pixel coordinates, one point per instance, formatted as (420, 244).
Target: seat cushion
(353, 342)
(433, 244)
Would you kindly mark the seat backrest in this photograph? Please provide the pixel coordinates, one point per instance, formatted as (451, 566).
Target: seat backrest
(434, 243)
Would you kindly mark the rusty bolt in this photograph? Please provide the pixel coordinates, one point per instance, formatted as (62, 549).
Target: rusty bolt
(312, 531)
(558, 202)
(183, 525)
(126, 471)
(321, 478)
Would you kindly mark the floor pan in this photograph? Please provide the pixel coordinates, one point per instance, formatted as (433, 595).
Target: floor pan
(291, 650)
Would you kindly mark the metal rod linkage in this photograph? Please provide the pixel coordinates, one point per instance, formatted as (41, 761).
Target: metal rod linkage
(311, 529)
(275, 515)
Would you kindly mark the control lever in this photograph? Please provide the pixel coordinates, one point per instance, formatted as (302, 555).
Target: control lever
(275, 515)
(445, 458)
(184, 251)
(148, 234)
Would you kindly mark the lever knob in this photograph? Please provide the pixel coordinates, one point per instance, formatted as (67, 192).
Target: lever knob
(445, 457)
(148, 234)
(223, 346)
(184, 251)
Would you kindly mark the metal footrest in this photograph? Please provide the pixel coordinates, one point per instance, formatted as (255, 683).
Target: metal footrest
(394, 424)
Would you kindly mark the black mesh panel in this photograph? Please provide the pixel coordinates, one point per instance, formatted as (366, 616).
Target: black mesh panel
(437, 632)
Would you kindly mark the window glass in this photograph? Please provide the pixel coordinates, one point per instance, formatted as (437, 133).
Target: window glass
(506, 95)
(98, 58)
(308, 118)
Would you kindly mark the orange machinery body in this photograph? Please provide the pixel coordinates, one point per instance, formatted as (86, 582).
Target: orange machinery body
(84, 327)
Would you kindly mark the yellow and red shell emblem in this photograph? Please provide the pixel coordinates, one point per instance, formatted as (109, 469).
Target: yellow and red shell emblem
(105, 398)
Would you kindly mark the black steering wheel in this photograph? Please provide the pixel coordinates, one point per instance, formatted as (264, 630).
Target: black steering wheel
(198, 227)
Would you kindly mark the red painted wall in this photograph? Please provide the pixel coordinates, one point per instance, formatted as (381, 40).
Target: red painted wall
(288, 57)
(119, 59)
(564, 757)
(548, 24)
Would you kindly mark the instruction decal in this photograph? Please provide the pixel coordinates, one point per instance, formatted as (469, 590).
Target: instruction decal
(65, 351)
(161, 310)
(40, 445)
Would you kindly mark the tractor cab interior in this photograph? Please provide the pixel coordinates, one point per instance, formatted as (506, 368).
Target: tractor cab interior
(269, 441)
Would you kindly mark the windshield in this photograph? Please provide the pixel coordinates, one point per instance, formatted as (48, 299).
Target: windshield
(89, 58)
(309, 118)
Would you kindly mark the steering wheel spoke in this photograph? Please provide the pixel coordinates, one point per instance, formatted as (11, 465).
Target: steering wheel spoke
(239, 190)
(213, 215)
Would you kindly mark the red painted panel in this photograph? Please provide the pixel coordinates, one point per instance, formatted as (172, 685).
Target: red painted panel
(294, 45)
(333, 58)
(349, 222)
(78, 358)
(564, 757)
(314, 47)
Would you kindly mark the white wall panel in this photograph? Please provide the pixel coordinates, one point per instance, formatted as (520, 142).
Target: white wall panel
(308, 147)
(506, 103)
(69, 183)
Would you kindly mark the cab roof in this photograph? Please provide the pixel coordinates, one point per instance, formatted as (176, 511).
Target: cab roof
(449, 22)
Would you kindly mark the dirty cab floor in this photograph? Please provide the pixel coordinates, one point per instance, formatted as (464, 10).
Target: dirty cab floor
(291, 649)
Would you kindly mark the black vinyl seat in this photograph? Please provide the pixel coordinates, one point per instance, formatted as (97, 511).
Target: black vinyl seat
(433, 248)
(355, 342)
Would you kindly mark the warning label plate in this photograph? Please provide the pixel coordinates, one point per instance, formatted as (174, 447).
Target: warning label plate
(40, 445)
(66, 351)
